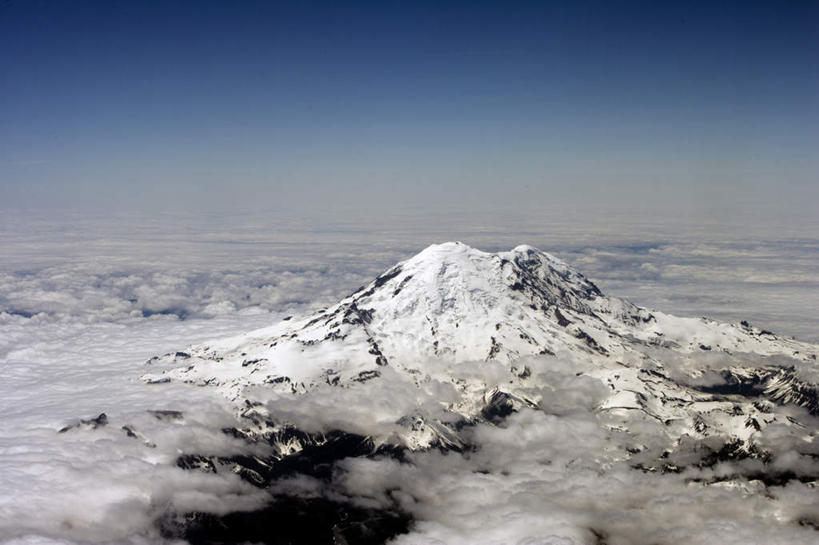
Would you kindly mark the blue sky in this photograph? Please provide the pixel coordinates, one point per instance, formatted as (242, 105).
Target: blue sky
(146, 104)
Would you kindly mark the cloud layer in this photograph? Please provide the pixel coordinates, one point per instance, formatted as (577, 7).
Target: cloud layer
(84, 302)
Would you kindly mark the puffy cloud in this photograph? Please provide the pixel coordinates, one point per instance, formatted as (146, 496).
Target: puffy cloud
(563, 472)
(541, 477)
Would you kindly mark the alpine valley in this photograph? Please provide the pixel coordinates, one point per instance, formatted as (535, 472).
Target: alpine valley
(466, 397)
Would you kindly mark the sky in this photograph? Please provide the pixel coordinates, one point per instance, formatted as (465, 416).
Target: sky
(272, 105)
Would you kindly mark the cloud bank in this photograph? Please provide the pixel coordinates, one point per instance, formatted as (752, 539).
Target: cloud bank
(83, 304)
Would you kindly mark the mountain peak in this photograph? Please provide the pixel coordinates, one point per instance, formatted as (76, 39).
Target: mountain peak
(452, 276)
(451, 290)
(455, 250)
(453, 265)
(451, 304)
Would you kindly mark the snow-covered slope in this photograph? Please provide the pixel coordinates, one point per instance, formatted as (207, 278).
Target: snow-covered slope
(425, 318)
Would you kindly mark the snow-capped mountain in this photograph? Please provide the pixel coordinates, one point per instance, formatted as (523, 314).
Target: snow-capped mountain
(431, 318)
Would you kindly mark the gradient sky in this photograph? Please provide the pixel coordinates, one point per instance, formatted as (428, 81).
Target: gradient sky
(146, 104)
